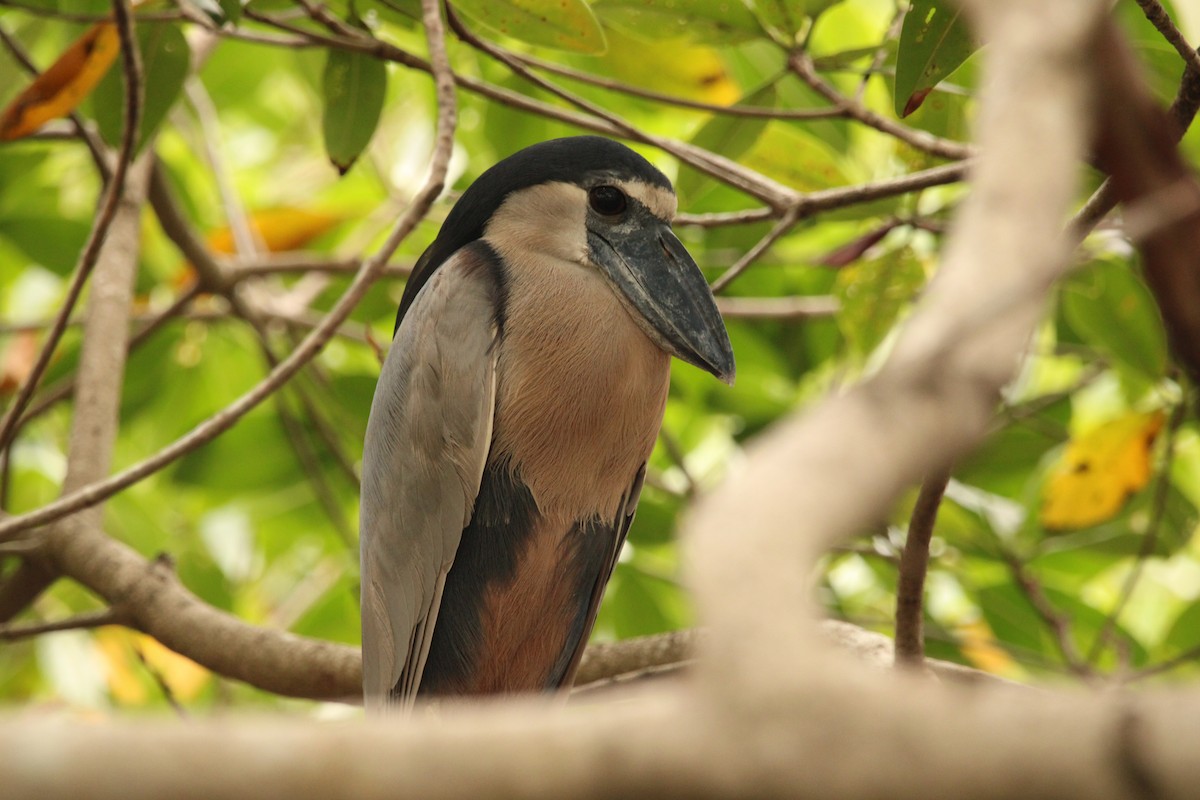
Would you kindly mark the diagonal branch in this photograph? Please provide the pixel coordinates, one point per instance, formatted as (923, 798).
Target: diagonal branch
(802, 64)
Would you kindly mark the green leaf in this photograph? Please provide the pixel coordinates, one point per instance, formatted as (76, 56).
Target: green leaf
(166, 59)
(1185, 631)
(780, 17)
(682, 69)
(796, 158)
(786, 17)
(640, 604)
(934, 41)
(53, 242)
(558, 24)
(1003, 462)
(1112, 310)
(1014, 621)
(815, 7)
(654, 522)
(721, 22)
(728, 135)
(232, 10)
(253, 456)
(873, 293)
(326, 618)
(354, 88)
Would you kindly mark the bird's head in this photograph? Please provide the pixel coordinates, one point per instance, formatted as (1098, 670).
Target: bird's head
(594, 202)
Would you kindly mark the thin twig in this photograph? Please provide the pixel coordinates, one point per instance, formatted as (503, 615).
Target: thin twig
(389, 52)
(754, 253)
(1186, 657)
(717, 219)
(680, 102)
(676, 454)
(1058, 624)
(161, 681)
(778, 308)
(802, 65)
(91, 619)
(245, 241)
(881, 53)
(1160, 19)
(300, 262)
(71, 16)
(843, 196)
(914, 563)
(816, 202)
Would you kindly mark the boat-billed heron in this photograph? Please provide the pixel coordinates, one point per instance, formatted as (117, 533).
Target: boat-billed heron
(514, 414)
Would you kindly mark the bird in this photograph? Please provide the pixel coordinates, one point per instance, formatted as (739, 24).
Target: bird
(513, 417)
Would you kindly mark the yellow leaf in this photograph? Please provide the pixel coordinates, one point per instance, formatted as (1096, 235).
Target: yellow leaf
(119, 648)
(678, 68)
(1099, 470)
(122, 668)
(279, 229)
(185, 677)
(978, 645)
(57, 91)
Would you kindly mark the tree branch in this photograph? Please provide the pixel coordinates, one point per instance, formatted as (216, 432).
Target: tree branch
(802, 65)
(914, 562)
(94, 619)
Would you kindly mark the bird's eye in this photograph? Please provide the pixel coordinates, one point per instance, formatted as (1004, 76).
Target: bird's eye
(606, 200)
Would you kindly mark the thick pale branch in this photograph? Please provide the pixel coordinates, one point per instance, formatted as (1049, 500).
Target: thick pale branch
(936, 393)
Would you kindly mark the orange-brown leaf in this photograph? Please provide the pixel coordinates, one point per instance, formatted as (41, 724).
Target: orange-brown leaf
(57, 91)
(18, 361)
(279, 229)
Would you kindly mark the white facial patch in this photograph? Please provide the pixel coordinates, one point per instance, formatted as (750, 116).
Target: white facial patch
(660, 200)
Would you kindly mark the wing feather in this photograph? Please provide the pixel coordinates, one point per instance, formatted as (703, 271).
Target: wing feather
(426, 445)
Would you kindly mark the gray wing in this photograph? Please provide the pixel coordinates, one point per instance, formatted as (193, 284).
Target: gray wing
(426, 444)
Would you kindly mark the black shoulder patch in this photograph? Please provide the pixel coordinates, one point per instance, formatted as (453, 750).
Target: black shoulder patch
(567, 160)
(500, 526)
